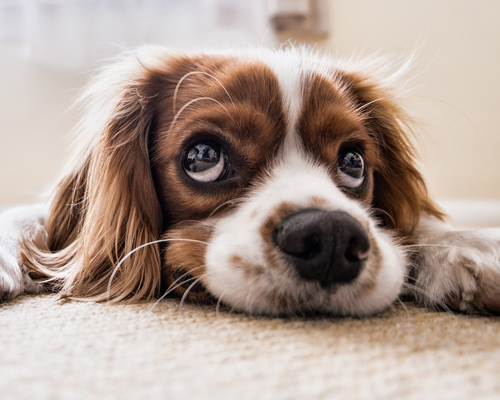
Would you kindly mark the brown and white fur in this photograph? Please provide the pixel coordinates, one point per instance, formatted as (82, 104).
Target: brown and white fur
(127, 221)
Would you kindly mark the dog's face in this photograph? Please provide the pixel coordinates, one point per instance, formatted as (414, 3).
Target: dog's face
(279, 180)
(267, 164)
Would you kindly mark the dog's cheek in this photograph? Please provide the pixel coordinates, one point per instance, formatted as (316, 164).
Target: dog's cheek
(184, 271)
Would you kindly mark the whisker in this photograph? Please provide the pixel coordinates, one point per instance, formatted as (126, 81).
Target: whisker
(115, 270)
(218, 304)
(231, 309)
(174, 101)
(229, 202)
(184, 296)
(386, 213)
(194, 101)
(449, 246)
(249, 301)
(49, 280)
(190, 221)
(392, 307)
(171, 290)
(415, 288)
(427, 299)
(174, 286)
(452, 106)
(357, 110)
(404, 307)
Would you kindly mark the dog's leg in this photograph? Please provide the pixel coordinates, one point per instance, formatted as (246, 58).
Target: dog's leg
(459, 269)
(14, 223)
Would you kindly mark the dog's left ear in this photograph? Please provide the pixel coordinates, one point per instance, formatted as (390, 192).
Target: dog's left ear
(105, 211)
(399, 188)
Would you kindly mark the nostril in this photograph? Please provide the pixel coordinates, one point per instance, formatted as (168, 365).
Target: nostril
(357, 249)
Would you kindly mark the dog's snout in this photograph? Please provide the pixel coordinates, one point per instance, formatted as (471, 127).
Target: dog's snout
(325, 246)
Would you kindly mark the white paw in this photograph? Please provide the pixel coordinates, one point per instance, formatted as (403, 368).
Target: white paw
(13, 277)
(460, 270)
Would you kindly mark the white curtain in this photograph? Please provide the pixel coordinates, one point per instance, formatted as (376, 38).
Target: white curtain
(75, 34)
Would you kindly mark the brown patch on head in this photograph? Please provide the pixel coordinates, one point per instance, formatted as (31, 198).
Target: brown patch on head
(184, 260)
(234, 103)
(329, 124)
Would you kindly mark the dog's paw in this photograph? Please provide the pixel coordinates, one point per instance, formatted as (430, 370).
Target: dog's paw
(11, 279)
(14, 279)
(14, 223)
(460, 270)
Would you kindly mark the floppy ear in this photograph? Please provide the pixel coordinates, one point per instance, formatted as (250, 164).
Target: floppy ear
(399, 188)
(106, 206)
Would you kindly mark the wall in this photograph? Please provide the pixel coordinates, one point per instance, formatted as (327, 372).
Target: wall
(34, 122)
(456, 94)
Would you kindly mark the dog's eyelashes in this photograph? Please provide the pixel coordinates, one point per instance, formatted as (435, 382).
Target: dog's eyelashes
(351, 169)
(205, 162)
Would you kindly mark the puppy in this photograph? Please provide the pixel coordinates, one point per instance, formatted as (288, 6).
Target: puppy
(276, 182)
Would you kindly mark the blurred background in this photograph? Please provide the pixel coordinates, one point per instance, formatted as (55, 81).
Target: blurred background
(49, 47)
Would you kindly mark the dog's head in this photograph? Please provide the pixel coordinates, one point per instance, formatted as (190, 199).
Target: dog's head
(280, 181)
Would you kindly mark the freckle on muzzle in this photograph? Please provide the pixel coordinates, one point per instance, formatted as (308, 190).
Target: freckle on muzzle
(325, 246)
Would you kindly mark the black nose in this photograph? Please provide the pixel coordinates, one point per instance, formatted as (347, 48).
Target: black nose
(324, 246)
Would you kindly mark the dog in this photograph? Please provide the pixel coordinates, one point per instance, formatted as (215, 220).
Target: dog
(274, 182)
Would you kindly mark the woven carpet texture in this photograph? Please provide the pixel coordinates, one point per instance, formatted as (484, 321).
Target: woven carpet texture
(73, 350)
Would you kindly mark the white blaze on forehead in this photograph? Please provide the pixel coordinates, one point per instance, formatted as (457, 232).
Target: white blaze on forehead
(287, 66)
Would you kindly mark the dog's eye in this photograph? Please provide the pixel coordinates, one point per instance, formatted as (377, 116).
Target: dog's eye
(352, 169)
(205, 162)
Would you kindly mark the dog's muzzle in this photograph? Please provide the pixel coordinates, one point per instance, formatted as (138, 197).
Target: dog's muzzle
(325, 246)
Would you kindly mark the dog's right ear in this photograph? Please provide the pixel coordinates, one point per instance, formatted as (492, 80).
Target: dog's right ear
(399, 189)
(106, 206)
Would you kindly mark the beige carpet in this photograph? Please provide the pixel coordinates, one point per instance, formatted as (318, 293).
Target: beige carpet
(50, 350)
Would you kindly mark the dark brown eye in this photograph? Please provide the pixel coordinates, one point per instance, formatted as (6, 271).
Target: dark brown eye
(205, 162)
(351, 169)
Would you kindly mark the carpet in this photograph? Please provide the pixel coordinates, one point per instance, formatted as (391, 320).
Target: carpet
(72, 350)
